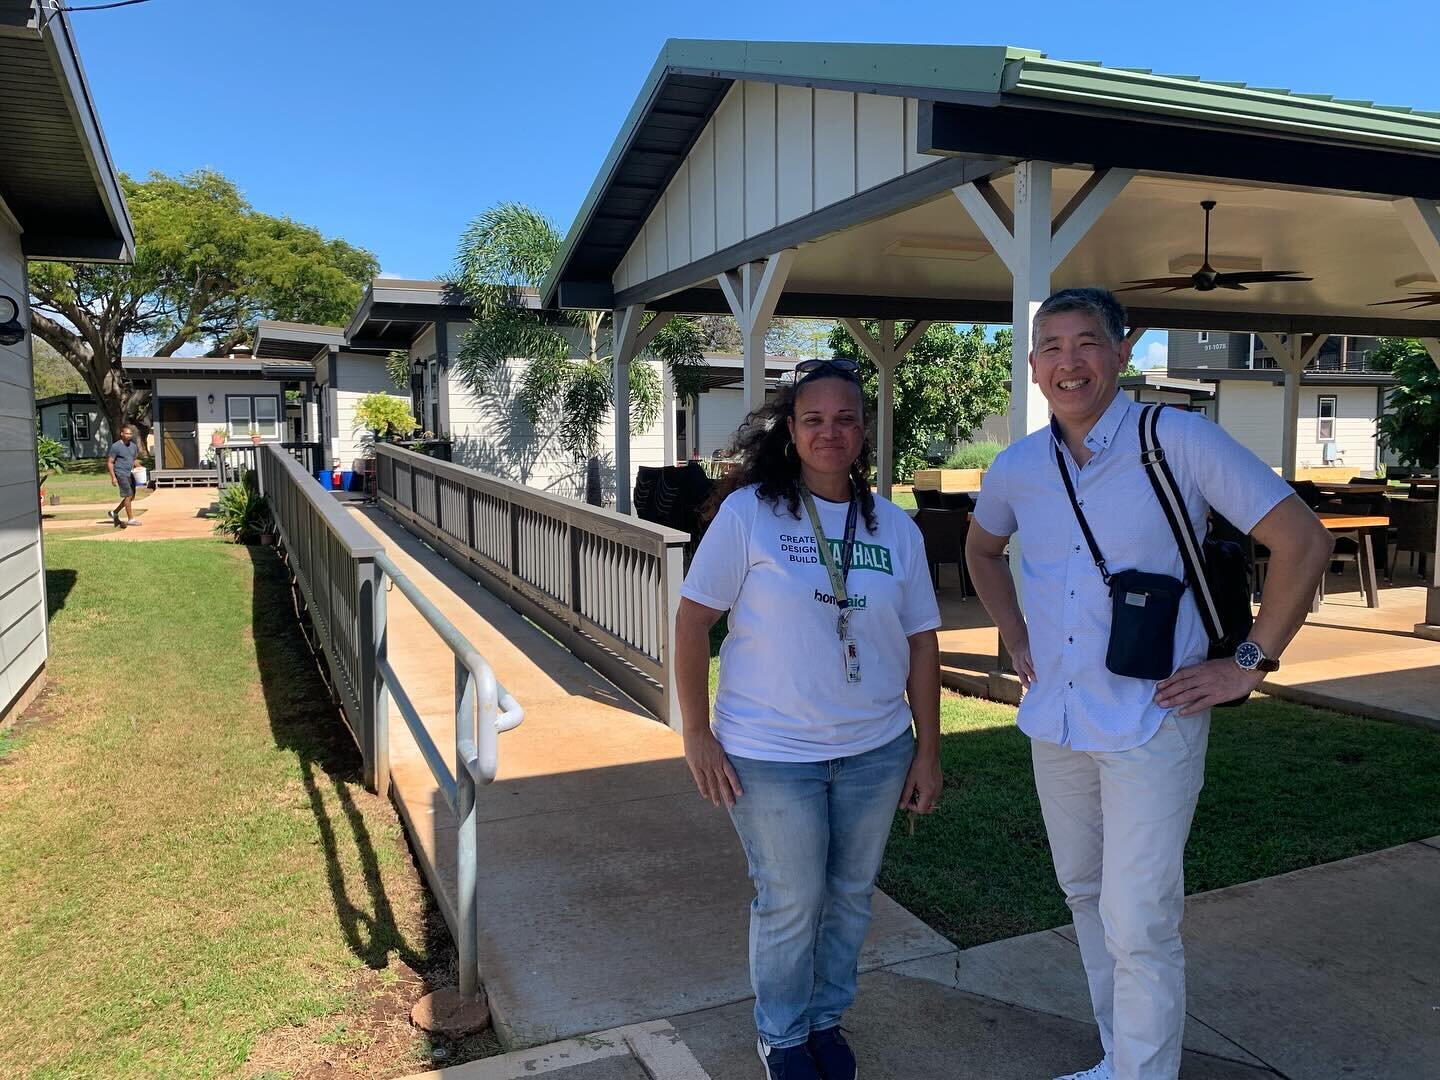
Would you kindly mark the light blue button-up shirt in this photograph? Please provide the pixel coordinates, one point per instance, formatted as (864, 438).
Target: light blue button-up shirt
(1075, 700)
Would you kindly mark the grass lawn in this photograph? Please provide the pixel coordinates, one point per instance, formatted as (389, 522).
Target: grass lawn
(192, 880)
(86, 480)
(1287, 786)
(903, 499)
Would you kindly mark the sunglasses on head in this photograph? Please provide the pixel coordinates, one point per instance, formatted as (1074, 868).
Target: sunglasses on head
(807, 368)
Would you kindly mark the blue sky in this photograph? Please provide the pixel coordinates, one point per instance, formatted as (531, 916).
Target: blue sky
(393, 124)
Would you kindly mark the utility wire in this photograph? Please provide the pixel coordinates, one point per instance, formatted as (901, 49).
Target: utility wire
(96, 7)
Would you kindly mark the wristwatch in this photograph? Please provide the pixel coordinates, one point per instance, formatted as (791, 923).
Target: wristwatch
(1252, 658)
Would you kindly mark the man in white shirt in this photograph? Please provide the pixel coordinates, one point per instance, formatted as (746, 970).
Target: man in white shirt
(1119, 761)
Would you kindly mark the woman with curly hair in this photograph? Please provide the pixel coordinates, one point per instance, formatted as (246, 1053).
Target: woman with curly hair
(812, 745)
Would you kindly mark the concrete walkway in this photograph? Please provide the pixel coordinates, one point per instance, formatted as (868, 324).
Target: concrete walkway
(171, 514)
(1328, 973)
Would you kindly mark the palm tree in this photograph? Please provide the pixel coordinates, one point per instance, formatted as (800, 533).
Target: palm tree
(504, 255)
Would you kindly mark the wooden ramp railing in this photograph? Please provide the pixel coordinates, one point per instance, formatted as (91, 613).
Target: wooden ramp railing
(604, 584)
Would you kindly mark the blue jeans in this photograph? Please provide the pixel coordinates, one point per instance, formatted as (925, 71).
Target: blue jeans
(814, 833)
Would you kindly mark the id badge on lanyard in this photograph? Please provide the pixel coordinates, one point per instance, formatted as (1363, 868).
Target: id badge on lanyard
(838, 574)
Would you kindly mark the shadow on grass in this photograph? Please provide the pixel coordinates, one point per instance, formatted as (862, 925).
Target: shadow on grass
(58, 584)
(304, 719)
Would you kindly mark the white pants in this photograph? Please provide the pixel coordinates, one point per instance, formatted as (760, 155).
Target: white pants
(1117, 824)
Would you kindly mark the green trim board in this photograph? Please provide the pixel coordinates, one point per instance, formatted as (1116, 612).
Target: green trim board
(968, 75)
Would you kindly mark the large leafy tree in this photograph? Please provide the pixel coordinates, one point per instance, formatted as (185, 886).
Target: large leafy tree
(207, 267)
(53, 375)
(1410, 427)
(944, 388)
(504, 255)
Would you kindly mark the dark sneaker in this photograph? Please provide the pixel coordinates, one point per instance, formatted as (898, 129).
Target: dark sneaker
(786, 1063)
(114, 518)
(832, 1054)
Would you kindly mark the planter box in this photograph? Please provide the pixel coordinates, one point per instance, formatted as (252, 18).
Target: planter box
(1333, 474)
(955, 480)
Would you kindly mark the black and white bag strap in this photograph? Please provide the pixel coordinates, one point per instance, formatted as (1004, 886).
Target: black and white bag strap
(1152, 456)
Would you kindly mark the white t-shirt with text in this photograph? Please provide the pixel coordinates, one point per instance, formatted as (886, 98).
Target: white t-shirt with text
(783, 693)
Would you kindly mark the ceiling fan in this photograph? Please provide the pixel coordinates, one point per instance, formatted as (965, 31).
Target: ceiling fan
(1208, 279)
(1414, 300)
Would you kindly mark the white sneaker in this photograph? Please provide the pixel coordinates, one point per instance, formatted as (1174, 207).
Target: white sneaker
(1095, 1072)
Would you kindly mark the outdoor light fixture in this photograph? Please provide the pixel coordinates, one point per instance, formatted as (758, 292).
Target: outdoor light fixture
(11, 332)
(211, 400)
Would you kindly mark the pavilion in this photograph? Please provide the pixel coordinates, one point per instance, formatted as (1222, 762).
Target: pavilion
(914, 183)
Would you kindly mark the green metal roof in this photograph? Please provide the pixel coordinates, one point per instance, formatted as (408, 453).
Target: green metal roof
(977, 74)
(1138, 89)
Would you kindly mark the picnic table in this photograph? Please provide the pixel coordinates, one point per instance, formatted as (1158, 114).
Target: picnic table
(1379, 487)
(1358, 525)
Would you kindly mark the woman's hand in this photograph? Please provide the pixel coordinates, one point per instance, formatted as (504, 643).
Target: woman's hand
(922, 784)
(711, 768)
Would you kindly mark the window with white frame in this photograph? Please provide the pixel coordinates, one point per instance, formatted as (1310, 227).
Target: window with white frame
(1325, 418)
(1203, 337)
(80, 426)
(237, 416)
(267, 417)
(243, 412)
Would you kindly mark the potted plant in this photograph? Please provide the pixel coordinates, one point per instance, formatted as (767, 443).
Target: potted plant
(218, 437)
(49, 459)
(255, 434)
(385, 416)
(243, 514)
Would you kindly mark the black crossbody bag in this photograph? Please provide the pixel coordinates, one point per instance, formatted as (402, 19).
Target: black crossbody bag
(1145, 607)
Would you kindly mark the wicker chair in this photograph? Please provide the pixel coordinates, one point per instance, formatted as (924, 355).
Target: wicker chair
(1414, 524)
(944, 532)
(927, 499)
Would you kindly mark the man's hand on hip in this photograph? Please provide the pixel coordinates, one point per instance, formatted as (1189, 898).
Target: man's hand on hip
(1023, 663)
(1195, 689)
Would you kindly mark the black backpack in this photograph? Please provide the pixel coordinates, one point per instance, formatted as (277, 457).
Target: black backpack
(1217, 570)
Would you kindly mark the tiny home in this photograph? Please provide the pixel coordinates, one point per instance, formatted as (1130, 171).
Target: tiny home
(61, 202)
(427, 321)
(195, 399)
(343, 376)
(76, 422)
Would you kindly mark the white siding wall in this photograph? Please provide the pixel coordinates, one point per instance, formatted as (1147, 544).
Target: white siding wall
(772, 154)
(23, 639)
(1251, 412)
(210, 417)
(492, 435)
(359, 375)
(424, 345)
(720, 413)
(1355, 415)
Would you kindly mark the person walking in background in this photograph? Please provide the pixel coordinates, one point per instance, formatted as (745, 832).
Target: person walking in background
(120, 463)
(1119, 761)
(832, 622)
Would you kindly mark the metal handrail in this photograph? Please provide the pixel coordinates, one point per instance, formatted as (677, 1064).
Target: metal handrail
(483, 709)
(361, 653)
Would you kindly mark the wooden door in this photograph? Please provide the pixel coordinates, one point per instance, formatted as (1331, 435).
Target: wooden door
(179, 434)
